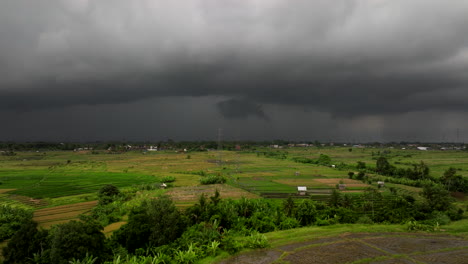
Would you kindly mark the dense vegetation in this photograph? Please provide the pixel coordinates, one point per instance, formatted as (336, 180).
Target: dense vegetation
(158, 230)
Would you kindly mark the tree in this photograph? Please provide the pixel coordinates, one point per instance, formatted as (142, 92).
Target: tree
(361, 165)
(447, 178)
(383, 166)
(27, 243)
(306, 212)
(324, 160)
(289, 206)
(107, 194)
(453, 182)
(76, 239)
(420, 171)
(335, 198)
(437, 198)
(11, 219)
(155, 223)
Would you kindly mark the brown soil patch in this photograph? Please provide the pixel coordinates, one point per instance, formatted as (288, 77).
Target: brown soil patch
(257, 257)
(395, 261)
(2, 191)
(63, 213)
(451, 257)
(28, 200)
(112, 227)
(340, 252)
(406, 245)
(337, 180)
(65, 208)
(300, 182)
(192, 193)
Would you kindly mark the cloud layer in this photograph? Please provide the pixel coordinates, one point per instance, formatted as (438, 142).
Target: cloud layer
(347, 59)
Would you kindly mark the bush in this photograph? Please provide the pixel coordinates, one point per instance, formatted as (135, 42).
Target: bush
(168, 179)
(438, 217)
(108, 213)
(213, 179)
(364, 220)
(257, 240)
(416, 226)
(324, 160)
(288, 223)
(231, 244)
(322, 222)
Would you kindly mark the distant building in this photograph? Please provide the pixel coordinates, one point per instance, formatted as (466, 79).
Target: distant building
(151, 148)
(302, 190)
(422, 148)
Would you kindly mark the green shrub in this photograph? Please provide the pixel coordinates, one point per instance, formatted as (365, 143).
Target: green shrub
(257, 240)
(213, 179)
(322, 222)
(288, 223)
(417, 226)
(232, 244)
(364, 220)
(438, 217)
(168, 179)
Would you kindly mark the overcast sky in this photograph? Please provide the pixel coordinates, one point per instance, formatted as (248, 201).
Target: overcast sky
(341, 70)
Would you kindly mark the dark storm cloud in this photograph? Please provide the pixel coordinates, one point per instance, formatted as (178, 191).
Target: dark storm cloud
(346, 58)
(235, 108)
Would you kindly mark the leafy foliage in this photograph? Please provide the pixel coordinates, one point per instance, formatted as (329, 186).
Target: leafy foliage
(108, 193)
(77, 240)
(213, 179)
(11, 219)
(156, 222)
(28, 245)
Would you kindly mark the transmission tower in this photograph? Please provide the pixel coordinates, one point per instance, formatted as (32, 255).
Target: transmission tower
(220, 147)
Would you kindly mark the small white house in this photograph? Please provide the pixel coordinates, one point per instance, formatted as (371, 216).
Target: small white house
(381, 183)
(302, 190)
(422, 148)
(151, 148)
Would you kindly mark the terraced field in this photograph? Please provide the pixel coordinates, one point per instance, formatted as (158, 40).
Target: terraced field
(55, 215)
(378, 248)
(184, 197)
(35, 180)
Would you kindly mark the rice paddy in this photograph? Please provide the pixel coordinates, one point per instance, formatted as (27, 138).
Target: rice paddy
(43, 181)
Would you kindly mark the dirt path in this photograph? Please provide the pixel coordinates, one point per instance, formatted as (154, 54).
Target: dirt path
(379, 248)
